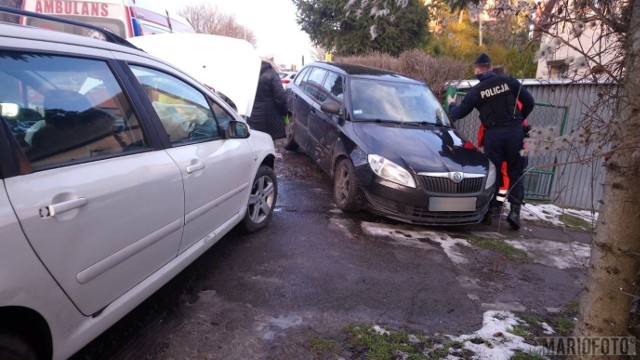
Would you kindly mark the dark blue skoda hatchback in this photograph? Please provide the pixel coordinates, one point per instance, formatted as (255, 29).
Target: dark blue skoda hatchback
(388, 145)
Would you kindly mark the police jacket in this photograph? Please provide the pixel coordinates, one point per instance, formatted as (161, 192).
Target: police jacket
(495, 98)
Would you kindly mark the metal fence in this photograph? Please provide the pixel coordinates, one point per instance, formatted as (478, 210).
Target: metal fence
(562, 104)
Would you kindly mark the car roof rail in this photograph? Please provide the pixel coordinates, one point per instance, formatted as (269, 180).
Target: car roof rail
(109, 36)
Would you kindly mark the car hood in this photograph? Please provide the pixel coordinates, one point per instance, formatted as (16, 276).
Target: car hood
(230, 66)
(422, 149)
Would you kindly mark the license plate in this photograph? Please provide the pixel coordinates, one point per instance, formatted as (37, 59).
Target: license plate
(452, 204)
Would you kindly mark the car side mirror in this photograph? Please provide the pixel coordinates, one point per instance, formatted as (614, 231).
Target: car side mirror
(236, 130)
(331, 107)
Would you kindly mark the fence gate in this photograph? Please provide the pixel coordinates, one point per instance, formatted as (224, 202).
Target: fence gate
(540, 174)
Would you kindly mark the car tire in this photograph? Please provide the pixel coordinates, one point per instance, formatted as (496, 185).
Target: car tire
(262, 200)
(345, 187)
(289, 143)
(14, 347)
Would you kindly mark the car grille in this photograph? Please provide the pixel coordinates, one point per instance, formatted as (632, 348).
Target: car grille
(419, 215)
(445, 186)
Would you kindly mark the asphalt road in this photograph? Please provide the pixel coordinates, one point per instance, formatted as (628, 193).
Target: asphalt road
(314, 270)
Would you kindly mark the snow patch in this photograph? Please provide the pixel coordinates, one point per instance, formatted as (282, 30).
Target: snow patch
(341, 225)
(547, 329)
(560, 255)
(551, 213)
(468, 283)
(418, 237)
(285, 322)
(272, 327)
(413, 339)
(380, 331)
(498, 342)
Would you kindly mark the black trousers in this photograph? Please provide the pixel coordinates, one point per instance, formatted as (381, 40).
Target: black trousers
(504, 144)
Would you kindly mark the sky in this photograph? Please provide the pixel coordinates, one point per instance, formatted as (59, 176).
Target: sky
(273, 22)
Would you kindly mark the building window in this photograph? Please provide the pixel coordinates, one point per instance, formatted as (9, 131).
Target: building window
(558, 69)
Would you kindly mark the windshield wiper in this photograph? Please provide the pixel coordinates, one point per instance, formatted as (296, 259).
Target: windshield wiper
(442, 125)
(425, 123)
(386, 121)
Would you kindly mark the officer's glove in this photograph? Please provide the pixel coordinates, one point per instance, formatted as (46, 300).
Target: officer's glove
(527, 129)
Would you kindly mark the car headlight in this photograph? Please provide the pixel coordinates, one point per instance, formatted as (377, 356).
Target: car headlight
(491, 176)
(391, 171)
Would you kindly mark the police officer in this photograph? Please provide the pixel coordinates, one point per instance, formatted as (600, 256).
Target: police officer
(495, 99)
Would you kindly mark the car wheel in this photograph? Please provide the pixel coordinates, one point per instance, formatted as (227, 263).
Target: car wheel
(345, 187)
(262, 199)
(13, 347)
(289, 143)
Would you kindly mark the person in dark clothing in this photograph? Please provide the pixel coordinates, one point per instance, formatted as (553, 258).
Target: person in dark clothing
(503, 182)
(270, 105)
(495, 97)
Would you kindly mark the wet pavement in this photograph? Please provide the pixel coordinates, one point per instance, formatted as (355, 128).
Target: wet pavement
(314, 270)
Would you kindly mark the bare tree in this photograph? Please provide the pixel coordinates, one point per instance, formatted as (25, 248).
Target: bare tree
(600, 40)
(208, 19)
(10, 18)
(614, 264)
(318, 53)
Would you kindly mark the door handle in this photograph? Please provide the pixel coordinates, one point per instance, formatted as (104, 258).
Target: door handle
(195, 167)
(59, 208)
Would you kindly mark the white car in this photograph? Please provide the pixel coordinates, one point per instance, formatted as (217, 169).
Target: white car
(287, 77)
(117, 170)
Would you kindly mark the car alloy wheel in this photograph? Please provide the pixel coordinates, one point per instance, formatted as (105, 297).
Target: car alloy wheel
(262, 199)
(345, 187)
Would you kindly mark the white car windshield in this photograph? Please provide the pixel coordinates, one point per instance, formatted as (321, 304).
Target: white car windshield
(395, 101)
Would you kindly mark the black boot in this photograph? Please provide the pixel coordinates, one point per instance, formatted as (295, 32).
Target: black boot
(493, 210)
(514, 217)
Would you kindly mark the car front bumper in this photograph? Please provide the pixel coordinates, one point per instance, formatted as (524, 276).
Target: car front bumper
(412, 205)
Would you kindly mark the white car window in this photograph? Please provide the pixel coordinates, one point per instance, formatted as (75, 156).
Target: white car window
(183, 110)
(56, 123)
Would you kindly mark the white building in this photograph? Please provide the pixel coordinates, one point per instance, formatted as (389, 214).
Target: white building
(574, 49)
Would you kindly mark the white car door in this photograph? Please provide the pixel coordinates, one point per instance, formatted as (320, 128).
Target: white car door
(216, 171)
(101, 209)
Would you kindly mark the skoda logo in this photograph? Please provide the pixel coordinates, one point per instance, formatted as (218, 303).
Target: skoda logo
(457, 177)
